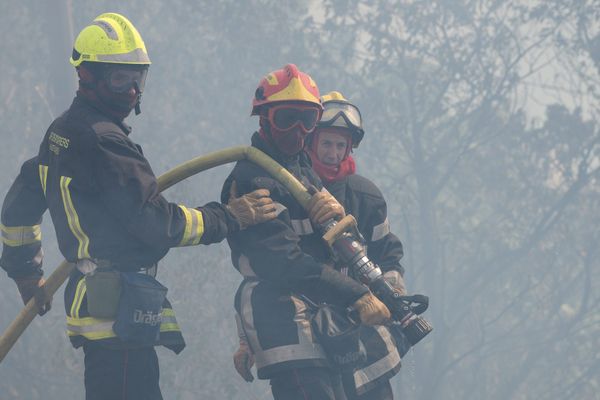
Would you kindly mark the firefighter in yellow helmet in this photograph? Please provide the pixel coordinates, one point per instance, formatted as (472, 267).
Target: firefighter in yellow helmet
(340, 130)
(284, 261)
(109, 219)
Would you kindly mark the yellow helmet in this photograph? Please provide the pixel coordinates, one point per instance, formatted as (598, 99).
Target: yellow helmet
(339, 112)
(111, 38)
(332, 96)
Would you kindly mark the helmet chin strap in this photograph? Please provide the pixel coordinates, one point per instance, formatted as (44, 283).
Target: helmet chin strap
(88, 80)
(138, 109)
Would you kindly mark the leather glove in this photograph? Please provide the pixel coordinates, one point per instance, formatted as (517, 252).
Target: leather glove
(252, 208)
(243, 360)
(33, 287)
(323, 206)
(371, 310)
(395, 279)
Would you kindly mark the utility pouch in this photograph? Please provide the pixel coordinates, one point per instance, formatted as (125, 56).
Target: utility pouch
(339, 337)
(103, 290)
(140, 309)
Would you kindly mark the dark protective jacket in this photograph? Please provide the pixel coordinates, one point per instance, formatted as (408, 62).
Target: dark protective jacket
(280, 259)
(104, 202)
(362, 199)
(286, 251)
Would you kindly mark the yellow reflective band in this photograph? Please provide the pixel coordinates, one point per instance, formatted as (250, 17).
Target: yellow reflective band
(90, 328)
(78, 298)
(194, 226)
(43, 176)
(15, 236)
(169, 328)
(169, 323)
(96, 328)
(73, 219)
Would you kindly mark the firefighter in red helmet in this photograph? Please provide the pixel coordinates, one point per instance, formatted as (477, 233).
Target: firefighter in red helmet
(283, 261)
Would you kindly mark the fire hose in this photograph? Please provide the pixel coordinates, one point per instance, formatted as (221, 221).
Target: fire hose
(337, 233)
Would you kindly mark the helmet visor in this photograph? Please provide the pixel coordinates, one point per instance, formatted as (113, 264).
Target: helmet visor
(341, 114)
(122, 79)
(285, 117)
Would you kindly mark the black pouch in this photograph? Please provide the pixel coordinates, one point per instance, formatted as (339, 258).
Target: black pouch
(140, 309)
(339, 337)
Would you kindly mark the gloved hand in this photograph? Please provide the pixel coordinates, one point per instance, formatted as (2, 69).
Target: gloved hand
(323, 206)
(371, 310)
(395, 279)
(252, 208)
(32, 287)
(243, 360)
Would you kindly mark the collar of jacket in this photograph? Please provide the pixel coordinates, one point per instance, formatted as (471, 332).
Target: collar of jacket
(81, 101)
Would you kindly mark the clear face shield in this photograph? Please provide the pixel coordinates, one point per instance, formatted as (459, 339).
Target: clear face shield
(120, 79)
(341, 114)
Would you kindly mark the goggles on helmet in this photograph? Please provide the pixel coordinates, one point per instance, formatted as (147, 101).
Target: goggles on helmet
(287, 116)
(337, 113)
(122, 78)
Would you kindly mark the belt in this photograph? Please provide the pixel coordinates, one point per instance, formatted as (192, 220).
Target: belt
(88, 266)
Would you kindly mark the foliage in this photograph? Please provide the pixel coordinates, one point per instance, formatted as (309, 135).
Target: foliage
(480, 130)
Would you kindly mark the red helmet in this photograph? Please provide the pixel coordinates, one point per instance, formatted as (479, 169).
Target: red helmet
(286, 84)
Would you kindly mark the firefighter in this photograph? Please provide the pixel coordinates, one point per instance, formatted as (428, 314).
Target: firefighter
(109, 219)
(338, 132)
(284, 260)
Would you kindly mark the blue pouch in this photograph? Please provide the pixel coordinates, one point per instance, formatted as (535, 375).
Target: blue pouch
(140, 309)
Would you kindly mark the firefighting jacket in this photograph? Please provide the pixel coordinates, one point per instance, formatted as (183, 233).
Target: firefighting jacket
(104, 202)
(288, 250)
(361, 198)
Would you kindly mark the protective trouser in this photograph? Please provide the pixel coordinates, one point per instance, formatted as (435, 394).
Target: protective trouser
(307, 384)
(123, 374)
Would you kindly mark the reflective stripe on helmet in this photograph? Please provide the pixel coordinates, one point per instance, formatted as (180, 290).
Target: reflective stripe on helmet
(136, 56)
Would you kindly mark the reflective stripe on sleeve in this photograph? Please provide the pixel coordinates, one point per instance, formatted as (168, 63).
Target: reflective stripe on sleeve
(279, 208)
(194, 226)
(73, 219)
(15, 236)
(380, 231)
(302, 226)
(244, 266)
(169, 322)
(43, 169)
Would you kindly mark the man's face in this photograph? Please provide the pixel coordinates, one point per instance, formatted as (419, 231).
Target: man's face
(290, 123)
(331, 147)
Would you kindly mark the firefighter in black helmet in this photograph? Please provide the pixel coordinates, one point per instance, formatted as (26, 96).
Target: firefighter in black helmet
(109, 219)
